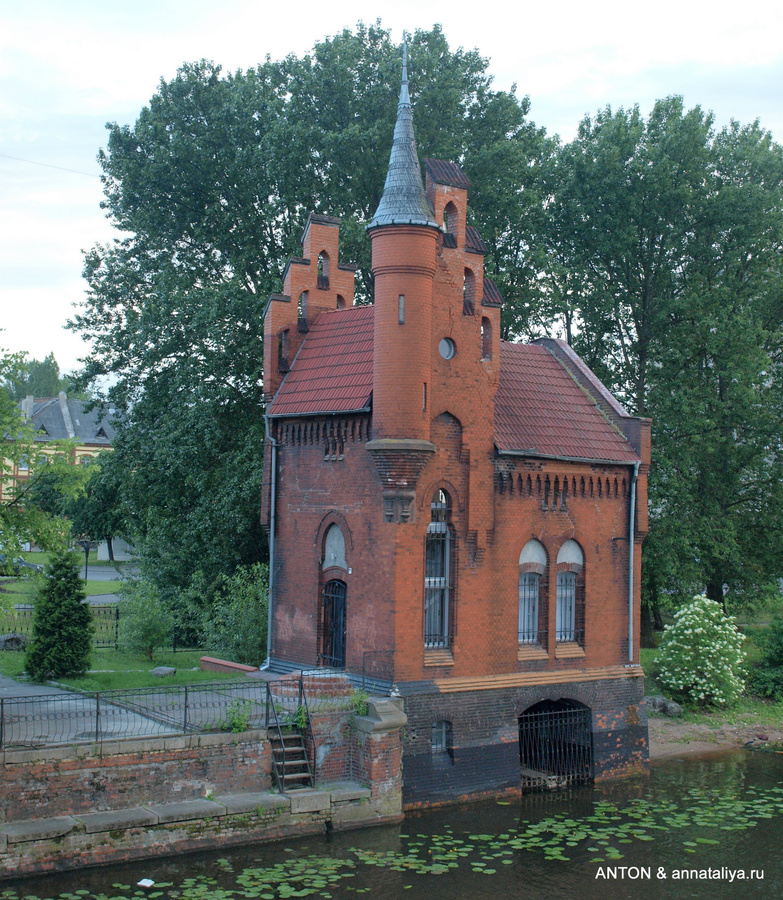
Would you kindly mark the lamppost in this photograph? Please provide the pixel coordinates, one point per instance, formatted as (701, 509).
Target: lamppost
(85, 545)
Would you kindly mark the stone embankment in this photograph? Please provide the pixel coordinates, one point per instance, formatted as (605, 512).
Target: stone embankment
(69, 806)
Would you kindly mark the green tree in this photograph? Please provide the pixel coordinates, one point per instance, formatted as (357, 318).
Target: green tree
(628, 203)
(717, 394)
(62, 629)
(39, 378)
(97, 513)
(237, 623)
(145, 622)
(212, 186)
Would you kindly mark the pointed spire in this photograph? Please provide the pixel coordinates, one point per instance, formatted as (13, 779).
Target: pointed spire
(404, 201)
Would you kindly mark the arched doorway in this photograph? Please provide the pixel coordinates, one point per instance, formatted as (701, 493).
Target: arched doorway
(334, 624)
(555, 745)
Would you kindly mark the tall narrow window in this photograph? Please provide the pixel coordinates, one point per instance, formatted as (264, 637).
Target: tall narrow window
(441, 740)
(283, 350)
(323, 271)
(438, 574)
(450, 220)
(401, 309)
(532, 566)
(486, 338)
(569, 625)
(469, 294)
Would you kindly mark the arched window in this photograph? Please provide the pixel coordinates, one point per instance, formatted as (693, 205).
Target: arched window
(450, 220)
(340, 301)
(532, 610)
(442, 741)
(438, 598)
(469, 293)
(323, 271)
(334, 548)
(283, 351)
(486, 338)
(570, 617)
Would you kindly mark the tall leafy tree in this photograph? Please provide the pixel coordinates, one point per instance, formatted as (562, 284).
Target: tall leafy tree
(628, 203)
(717, 393)
(211, 187)
(664, 268)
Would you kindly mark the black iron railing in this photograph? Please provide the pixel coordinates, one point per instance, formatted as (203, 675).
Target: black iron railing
(105, 620)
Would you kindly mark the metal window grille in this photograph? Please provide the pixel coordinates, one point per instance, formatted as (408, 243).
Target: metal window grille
(529, 591)
(437, 576)
(565, 624)
(441, 741)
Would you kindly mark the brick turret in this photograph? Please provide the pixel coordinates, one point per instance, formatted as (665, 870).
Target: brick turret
(404, 234)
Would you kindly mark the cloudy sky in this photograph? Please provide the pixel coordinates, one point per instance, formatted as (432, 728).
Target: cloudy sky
(66, 68)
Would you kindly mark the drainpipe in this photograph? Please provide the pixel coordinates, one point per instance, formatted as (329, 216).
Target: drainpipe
(272, 523)
(631, 527)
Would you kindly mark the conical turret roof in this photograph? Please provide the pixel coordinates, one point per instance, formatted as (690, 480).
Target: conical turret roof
(404, 201)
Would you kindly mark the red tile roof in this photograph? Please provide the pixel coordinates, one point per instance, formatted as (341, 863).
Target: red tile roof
(541, 409)
(333, 370)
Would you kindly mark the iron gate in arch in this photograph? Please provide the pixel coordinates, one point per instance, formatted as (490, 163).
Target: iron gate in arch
(555, 745)
(334, 624)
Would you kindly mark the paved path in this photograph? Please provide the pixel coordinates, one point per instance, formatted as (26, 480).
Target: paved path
(39, 714)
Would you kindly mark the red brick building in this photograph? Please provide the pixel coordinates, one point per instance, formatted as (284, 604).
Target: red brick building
(452, 516)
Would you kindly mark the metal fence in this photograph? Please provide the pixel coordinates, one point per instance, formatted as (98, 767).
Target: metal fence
(76, 718)
(105, 620)
(73, 718)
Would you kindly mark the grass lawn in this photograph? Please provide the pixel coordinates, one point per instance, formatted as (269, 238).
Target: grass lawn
(114, 669)
(25, 589)
(42, 557)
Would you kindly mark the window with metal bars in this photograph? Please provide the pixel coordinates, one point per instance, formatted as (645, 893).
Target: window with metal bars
(570, 606)
(438, 589)
(529, 593)
(442, 745)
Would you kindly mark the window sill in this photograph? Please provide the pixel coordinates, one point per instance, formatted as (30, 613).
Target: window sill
(569, 650)
(438, 657)
(531, 651)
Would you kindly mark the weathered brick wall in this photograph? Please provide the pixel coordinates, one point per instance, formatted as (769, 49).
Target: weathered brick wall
(484, 759)
(60, 781)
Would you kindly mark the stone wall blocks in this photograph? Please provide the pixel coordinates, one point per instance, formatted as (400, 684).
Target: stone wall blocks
(39, 829)
(186, 810)
(117, 820)
(236, 804)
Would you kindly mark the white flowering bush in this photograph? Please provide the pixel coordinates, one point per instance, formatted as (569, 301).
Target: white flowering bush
(701, 657)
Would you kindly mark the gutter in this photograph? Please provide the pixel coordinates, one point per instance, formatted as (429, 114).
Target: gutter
(272, 524)
(631, 527)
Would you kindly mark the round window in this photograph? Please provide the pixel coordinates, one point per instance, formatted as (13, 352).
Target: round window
(447, 348)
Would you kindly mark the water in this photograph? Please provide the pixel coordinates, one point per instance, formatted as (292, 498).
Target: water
(717, 815)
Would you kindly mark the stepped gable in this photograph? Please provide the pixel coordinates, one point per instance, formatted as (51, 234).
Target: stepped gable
(333, 370)
(541, 409)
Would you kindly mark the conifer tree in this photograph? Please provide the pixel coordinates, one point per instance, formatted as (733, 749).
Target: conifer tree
(62, 632)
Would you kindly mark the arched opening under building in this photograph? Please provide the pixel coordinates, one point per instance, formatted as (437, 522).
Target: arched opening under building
(555, 745)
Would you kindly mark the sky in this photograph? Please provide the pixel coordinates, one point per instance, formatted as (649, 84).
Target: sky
(68, 68)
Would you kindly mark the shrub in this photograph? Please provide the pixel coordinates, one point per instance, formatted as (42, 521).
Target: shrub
(767, 679)
(145, 623)
(62, 629)
(236, 625)
(701, 657)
